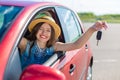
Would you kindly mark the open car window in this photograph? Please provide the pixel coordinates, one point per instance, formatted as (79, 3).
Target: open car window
(52, 13)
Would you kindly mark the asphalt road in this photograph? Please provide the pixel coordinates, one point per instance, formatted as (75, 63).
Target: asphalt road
(106, 64)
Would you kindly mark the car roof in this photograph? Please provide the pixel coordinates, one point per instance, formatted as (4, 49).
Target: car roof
(26, 3)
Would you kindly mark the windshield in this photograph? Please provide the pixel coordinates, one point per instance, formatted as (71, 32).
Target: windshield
(7, 15)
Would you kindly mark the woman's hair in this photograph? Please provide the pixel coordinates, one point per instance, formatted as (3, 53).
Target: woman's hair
(32, 36)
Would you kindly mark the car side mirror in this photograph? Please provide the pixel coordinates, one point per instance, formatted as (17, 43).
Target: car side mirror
(40, 72)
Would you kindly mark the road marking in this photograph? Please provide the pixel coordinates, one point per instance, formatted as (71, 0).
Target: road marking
(106, 60)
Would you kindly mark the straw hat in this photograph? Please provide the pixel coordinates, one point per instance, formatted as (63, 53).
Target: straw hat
(48, 20)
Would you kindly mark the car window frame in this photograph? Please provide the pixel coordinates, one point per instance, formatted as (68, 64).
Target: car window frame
(57, 55)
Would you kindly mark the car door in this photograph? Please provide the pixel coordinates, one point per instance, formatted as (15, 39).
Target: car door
(76, 59)
(13, 68)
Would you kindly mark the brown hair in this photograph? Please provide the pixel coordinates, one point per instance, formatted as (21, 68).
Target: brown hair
(32, 36)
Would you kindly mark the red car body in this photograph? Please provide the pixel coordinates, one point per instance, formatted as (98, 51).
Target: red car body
(73, 64)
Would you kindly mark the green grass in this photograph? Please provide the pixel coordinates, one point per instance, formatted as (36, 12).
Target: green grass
(90, 17)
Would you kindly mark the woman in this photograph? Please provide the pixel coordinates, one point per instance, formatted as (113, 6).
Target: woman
(42, 40)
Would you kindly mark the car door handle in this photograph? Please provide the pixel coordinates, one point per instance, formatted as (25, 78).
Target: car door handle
(86, 47)
(72, 68)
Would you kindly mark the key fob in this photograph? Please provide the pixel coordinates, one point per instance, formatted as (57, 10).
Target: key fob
(98, 36)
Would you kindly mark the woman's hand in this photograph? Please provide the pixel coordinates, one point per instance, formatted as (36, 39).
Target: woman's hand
(100, 25)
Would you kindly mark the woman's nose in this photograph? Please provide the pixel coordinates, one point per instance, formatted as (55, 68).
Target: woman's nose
(43, 32)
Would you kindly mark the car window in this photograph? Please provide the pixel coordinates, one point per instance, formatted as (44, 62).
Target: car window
(7, 15)
(1, 20)
(71, 23)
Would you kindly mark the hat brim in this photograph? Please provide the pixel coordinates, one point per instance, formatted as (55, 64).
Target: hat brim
(53, 24)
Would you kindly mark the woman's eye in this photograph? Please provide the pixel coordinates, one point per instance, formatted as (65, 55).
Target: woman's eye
(40, 29)
(48, 30)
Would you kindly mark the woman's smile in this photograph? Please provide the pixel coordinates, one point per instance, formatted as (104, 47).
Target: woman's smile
(43, 36)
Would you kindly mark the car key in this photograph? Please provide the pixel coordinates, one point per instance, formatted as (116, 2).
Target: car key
(98, 37)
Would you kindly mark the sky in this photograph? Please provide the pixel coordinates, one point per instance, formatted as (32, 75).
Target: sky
(98, 7)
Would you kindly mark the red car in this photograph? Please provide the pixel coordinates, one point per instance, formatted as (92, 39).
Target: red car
(15, 16)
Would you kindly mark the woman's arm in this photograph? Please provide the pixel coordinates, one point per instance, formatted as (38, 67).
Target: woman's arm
(23, 44)
(82, 40)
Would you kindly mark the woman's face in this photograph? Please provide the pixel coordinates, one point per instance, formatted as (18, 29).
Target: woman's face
(44, 33)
